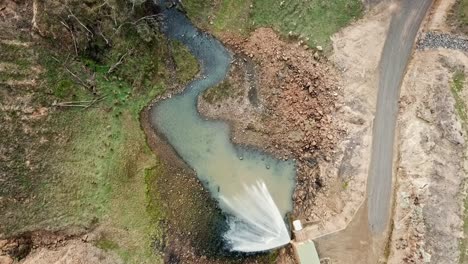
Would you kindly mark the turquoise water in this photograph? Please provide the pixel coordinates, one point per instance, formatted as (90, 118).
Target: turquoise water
(203, 144)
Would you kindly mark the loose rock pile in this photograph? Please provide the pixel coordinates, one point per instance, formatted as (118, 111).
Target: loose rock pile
(432, 40)
(299, 92)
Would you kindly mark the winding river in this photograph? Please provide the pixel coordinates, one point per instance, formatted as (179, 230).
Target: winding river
(205, 145)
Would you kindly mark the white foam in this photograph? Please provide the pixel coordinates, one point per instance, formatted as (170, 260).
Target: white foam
(257, 224)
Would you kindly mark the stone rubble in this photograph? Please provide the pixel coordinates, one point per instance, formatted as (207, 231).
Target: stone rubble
(433, 40)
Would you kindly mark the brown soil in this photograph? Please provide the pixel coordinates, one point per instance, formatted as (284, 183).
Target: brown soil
(74, 252)
(46, 247)
(439, 15)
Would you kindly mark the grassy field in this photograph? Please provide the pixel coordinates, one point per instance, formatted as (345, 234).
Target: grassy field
(107, 162)
(82, 167)
(313, 21)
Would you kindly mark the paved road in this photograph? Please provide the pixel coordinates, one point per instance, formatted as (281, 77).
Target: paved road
(395, 56)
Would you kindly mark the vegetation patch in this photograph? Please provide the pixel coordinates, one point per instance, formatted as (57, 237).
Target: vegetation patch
(220, 92)
(76, 154)
(456, 87)
(106, 244)
(459, 15)
(313, 21)
(458, 81)
(186, 69)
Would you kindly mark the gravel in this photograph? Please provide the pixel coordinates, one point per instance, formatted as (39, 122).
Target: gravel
(432, 40)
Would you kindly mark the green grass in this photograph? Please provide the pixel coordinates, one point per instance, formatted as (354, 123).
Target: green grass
(109, 166)
(186, 66)
(456, 86)
(219, 92)
(100, 176)
(458, 81)
(233, 17)
(17, 62)
(311, 20)
(459, 16)
(462, 11)
(199, 11)
(107, 244)
(96, 167)
(315, 20)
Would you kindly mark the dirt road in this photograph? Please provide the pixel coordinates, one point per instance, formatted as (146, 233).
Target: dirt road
(396, 54)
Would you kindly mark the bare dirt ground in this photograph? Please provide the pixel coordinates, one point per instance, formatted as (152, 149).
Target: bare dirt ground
(43, 247)
(427, 217)
(428, 222)
(439, 15)
(74, 252)
(357, 50)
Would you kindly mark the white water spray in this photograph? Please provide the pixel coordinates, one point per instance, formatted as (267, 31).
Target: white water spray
(257, 224)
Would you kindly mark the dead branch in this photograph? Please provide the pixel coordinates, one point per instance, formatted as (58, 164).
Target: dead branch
(85, 104)
(103, 4)
(113, 67)
(73, 37)
(104, 37)
(79, 22)
(132, 23)
(69, 105)
(95, 101)
(80, 81)
(35, 27)
(72, 102)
